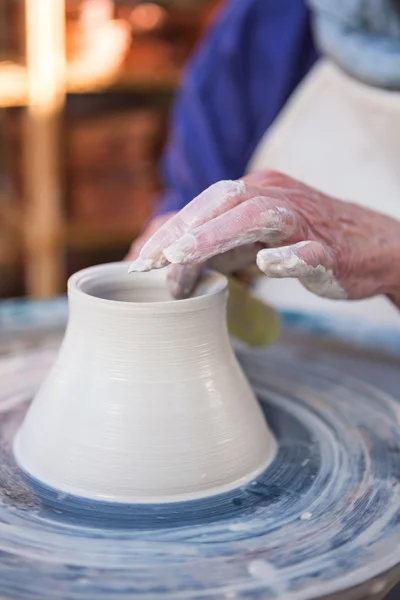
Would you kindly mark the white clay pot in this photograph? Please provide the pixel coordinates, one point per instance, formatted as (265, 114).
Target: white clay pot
(146, 401)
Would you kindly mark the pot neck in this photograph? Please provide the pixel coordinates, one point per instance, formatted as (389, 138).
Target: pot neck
(133, 332)
(118, 338)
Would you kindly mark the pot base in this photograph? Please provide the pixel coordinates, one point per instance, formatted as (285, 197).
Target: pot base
(79, 501)
(85, 512)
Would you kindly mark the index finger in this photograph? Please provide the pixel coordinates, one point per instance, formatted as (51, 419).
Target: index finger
(261, 219)
(214, 201)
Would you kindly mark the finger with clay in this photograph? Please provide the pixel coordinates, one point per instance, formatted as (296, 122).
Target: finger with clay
(147, 252)
(182, 279)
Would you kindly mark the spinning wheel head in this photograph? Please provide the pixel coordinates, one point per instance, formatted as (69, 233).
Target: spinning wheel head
(321, 519)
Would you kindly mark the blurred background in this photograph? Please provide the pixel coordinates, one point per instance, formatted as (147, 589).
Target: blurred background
(85, 91)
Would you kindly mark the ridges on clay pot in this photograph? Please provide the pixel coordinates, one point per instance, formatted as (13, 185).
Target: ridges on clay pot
(146, 401)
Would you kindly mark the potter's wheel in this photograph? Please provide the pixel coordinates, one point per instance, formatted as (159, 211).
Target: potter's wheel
(322, 520)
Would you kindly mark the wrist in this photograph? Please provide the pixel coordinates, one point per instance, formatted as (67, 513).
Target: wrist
(375, 240)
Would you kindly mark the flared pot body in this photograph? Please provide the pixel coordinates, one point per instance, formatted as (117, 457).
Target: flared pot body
(146, 401)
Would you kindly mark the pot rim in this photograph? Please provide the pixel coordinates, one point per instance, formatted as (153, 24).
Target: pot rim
(213, 289)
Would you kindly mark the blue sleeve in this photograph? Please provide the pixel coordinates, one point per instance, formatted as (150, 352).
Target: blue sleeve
(245, 69)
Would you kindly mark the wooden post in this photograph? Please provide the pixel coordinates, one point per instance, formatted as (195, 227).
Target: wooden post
(46, 66)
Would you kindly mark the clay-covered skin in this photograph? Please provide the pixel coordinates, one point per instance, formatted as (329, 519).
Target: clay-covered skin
(336, 249)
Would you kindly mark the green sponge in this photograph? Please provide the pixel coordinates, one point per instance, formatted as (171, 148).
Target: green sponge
(249, 319)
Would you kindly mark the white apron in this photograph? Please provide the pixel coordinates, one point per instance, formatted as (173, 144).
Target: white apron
(343, 138)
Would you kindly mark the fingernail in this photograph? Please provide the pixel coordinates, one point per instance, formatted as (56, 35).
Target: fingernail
(140, 265)
(174, 289)
(181, 251)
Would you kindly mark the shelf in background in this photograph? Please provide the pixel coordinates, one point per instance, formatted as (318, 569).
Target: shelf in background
(10, 215)
(14, 83)
(10, 257)
(10, 234)
(124, 80)
(74, 234)
(58, 218)
(83, 236)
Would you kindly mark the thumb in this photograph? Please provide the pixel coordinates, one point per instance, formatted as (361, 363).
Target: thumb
(310, 262)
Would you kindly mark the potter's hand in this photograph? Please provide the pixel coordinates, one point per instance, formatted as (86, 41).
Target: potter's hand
(336, 249)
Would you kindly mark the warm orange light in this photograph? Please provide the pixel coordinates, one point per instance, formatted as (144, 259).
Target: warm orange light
(95, 13)
(45, 54)
(103, 51)
(13, 84)
(147, 16)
